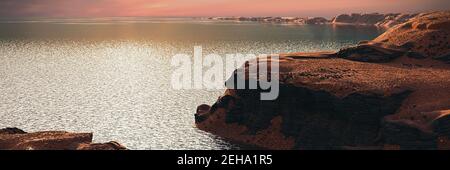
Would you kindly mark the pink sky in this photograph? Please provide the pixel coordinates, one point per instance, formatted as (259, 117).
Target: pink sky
(99, 8)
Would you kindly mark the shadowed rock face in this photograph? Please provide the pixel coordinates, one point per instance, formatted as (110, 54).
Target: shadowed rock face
(315, 119)
(445, 58)
(370, 53)
(16, 139)
(381, 94)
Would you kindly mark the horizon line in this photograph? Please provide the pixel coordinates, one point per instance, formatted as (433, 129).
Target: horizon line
(212, 16)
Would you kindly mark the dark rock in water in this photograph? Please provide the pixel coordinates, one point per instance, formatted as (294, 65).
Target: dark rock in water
(11, 131)
(369, 53)
(16, 139)
(201, 113)
(199, 117)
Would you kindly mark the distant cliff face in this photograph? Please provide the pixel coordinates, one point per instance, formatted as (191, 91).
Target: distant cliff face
(373, 19)
(316, 21)
(289, 20)
(389, 93)
(381, 20)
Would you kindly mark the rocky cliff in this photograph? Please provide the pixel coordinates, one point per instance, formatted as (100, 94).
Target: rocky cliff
(389, 93)
(373, 19)
(376, 19)
(16, 139)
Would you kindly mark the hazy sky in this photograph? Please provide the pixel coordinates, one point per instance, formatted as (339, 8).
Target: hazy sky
(99, 8)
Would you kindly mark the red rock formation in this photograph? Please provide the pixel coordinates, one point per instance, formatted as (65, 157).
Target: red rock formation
(427, 34)
(389, 93)
(16, 139)
(101, 146)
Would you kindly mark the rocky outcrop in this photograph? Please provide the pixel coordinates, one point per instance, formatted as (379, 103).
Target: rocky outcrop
(7, 131)
(16, 139)
(427, 34)
(287, 20)
(391, 20)
(359, 19)
(388, 93)
(376, 19)
(101, 146)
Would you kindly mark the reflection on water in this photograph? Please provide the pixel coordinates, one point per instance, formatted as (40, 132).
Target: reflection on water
(113, 78)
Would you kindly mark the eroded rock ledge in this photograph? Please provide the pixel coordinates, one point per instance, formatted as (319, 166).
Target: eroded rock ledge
(392, 92)
(17, 139)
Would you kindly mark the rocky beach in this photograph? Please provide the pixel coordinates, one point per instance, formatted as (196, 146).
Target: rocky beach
(388, 93)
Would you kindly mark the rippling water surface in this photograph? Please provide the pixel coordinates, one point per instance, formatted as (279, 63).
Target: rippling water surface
(112, 76)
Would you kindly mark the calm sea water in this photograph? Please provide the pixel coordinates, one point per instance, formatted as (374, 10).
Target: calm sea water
(111, 76)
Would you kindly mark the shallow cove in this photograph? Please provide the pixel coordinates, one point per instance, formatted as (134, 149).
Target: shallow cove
(112, 77)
